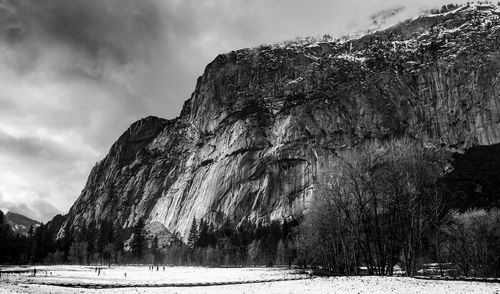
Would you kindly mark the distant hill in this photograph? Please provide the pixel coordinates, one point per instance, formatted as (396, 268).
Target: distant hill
(20, 223)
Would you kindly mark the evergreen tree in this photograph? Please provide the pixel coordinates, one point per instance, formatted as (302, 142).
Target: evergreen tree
(65, 242)
(5, 239)
(118, 248)
(155, 250)
(211, 236)
(105, 237)
(40, 248)
(101, 237)
(138, 243)
(227, 229)
(90, 233)
(29, 244)
(31, 232)
(203, 235)
(193, 235)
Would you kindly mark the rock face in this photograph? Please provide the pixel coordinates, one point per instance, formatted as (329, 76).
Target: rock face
(262, 123)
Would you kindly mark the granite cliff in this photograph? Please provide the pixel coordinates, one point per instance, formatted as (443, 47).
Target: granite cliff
(262, 123)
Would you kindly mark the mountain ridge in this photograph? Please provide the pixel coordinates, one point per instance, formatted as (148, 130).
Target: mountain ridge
(19, 223)
(264, 122)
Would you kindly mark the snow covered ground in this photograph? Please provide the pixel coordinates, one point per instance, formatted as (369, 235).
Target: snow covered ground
(24, 283)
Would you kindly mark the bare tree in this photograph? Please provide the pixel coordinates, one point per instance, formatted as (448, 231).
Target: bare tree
(372, 207)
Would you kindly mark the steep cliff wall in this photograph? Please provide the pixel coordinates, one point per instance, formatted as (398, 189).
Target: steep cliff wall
(262, 123)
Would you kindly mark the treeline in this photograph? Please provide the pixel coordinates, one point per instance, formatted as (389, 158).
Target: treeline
(101, 243)
(451, 7)
(220, 243)
(13, 247)
(375, 209)
(92, 244)
(35, 247)
(381, 207)
(445, 8)
(472, 242)
(230, 244)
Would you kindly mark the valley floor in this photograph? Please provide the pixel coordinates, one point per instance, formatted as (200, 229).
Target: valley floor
(141, 275)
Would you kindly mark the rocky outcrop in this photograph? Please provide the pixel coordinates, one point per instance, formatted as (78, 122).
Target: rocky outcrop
(263, 123)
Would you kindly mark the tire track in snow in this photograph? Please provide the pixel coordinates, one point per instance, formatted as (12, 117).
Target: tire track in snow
(160, 285)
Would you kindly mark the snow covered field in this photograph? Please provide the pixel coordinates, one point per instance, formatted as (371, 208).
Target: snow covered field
(140, 275)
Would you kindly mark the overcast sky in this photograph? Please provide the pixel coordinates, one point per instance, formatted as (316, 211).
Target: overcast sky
(74, 74)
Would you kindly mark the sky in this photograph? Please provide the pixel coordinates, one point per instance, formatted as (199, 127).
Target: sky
(74, 74)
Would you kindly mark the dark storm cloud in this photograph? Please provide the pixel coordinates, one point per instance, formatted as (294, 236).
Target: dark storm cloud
(74, 74)
(33, 147)
(117, 27)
